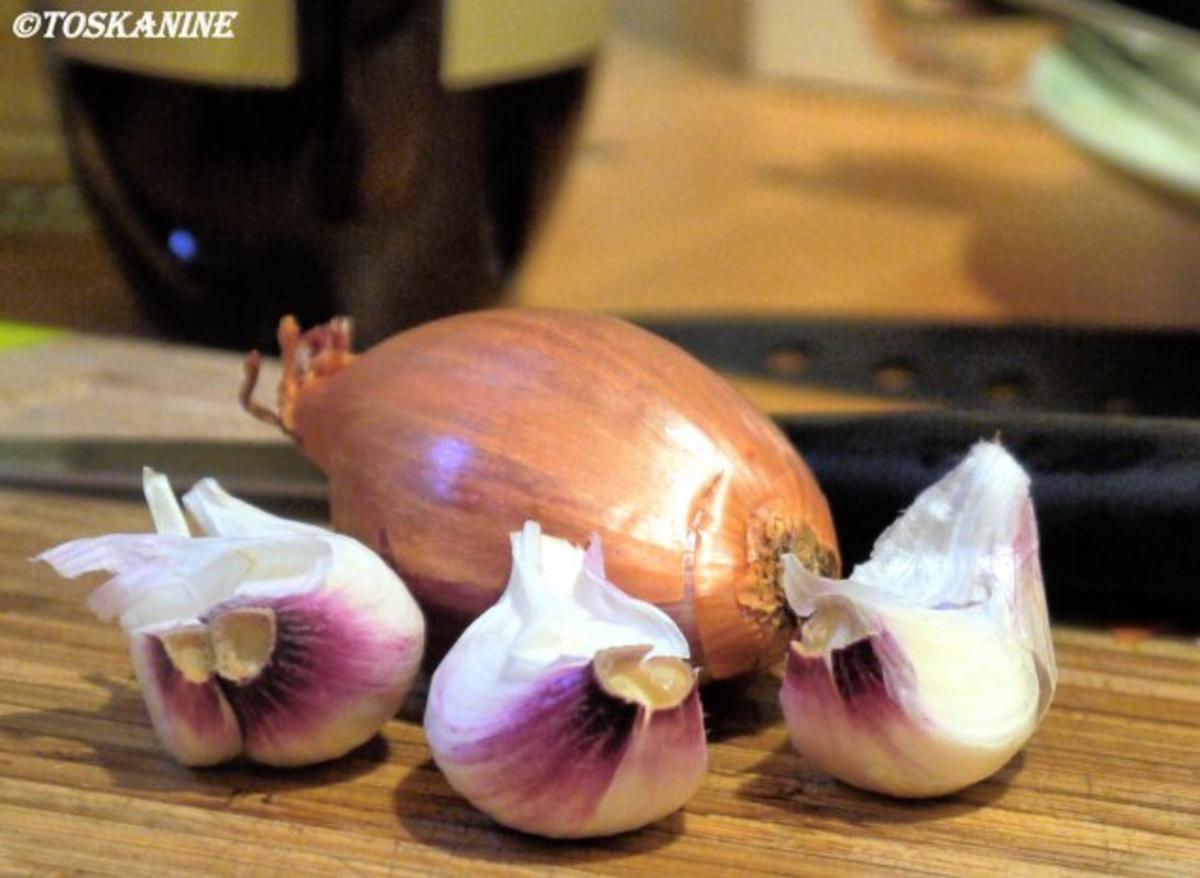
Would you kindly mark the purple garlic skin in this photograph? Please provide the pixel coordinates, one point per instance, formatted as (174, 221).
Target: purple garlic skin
(568, 709)
(193, 719)
(268, 639)
(573, 760)
(289, 712)
(932, 665)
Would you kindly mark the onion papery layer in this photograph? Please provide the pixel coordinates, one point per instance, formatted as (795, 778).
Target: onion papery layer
(570, 760)
(445, 438)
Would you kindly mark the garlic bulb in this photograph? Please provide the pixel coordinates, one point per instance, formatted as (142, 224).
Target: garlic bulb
(932, 665)
(267, 638)
(568, 709)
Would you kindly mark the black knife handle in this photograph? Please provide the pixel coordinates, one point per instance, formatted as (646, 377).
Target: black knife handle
(1117, 499)
(1087, 370)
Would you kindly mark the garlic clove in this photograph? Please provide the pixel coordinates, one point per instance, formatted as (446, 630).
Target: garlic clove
(267, 638)
(668, 752)
(243, 642)
(568, 709)
(308, 673)
(189, 712)
(221, 514)
(932, 665)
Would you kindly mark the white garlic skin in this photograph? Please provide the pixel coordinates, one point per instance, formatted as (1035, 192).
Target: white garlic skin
(858, 713)
(269, 639)
(523, 718)
(931, 667)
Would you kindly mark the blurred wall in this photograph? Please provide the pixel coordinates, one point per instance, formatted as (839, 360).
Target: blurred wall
(716, 29)
(28, 134)
(958, 48)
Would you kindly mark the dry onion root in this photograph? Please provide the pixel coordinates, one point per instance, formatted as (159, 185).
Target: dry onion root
(442, 440)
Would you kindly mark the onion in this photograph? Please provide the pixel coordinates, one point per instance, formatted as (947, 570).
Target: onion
(442, 440)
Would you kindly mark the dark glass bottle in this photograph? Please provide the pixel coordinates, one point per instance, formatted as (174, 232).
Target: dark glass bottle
(366, 188)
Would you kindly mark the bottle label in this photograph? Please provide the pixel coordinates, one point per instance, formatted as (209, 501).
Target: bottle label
(262, 48)
(483, 41)
(490, 41)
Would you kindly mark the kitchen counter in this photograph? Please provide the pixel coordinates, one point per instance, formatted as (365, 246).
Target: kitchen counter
(691, 191)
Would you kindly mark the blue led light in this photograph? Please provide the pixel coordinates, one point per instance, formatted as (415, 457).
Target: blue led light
(182, 243)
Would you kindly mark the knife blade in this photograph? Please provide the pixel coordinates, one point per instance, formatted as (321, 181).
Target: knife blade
(270, 473)
(1118, 499)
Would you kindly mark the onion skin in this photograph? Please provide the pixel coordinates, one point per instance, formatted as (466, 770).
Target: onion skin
(443, 439)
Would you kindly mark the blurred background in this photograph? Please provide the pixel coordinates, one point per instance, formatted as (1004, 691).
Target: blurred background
(949, 160)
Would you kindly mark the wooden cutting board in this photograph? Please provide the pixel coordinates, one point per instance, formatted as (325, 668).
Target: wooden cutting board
(1108, 784)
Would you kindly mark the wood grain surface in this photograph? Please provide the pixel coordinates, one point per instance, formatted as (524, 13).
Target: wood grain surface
(1108, 784)
(692, 192)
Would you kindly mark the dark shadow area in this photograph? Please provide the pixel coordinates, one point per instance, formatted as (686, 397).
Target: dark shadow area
(151, 769)
(435, 815)
(784, 781)
(741, 706)
(413, 709)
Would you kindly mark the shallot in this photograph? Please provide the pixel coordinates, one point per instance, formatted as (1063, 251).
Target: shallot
(445, 438)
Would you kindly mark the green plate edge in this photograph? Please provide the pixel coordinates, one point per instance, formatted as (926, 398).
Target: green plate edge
(1069, 96)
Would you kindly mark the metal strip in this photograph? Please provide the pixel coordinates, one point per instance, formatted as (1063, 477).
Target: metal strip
(1031, 368)
(1118, 500)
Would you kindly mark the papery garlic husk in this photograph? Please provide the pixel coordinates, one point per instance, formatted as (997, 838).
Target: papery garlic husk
(931, 666)
(266, 638)
(568, 709)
